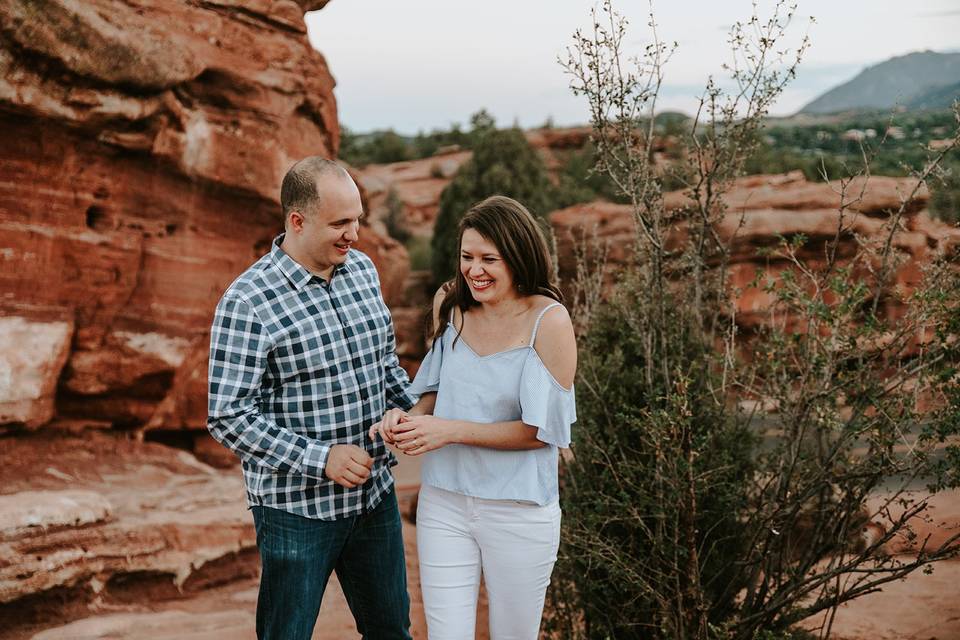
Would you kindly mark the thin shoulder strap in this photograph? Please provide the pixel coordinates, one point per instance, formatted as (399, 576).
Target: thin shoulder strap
(536, 325)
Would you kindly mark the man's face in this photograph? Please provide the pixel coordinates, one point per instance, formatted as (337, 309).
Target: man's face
(327, 232)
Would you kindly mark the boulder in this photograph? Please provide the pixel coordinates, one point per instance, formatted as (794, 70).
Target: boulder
(33, 351)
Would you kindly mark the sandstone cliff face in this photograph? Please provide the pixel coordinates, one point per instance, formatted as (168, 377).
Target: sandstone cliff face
(143, 148)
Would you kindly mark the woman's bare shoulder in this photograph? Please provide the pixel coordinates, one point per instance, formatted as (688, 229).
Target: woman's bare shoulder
(556, 345)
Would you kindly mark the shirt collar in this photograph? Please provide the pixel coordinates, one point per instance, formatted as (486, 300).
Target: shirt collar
(299, 276)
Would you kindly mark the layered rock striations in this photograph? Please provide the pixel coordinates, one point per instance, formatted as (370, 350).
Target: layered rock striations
(142, 150)
(143, 144)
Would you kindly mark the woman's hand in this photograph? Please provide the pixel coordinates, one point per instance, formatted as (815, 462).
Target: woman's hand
(387, 425)
(419, 434)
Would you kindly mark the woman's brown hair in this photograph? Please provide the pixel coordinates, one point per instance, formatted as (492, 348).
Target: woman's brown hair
(521, 244)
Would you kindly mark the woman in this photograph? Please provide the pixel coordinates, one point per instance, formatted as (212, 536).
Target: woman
(496, 404)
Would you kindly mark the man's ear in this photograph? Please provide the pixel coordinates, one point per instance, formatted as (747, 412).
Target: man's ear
(295, 220)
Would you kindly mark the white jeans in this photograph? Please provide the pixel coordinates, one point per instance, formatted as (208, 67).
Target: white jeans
(515, 546)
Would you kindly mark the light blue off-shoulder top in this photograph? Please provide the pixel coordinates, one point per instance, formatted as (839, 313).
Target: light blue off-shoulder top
(503, 386)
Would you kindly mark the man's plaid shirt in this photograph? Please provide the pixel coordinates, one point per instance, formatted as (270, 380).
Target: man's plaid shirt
(298, 365)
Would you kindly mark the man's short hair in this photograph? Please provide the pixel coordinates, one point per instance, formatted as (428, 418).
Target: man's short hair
(298, 191)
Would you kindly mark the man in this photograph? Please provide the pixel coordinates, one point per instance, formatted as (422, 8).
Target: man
(302, 363)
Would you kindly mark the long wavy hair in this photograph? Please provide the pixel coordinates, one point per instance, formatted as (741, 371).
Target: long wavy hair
(522, 246)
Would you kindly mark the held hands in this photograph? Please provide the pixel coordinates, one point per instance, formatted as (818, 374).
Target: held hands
(387, 425)
(348, 465)
(419, 434)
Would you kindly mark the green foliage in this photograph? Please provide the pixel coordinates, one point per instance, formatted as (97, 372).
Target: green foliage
(503, 163)
(722, 477)
(379, 147)
(426, 145)
(895, 144)
(418, 247)
(840, 144)
(384, 147)
(579, 181)
(815, 165)
(627, 482)
(394, 221)
(945, 192)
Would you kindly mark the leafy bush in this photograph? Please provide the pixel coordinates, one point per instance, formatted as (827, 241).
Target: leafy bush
(945, 192)
(721, 478)
(384, 147)
(580, 182)
(418, 247)
(379, 147)
(395, 221)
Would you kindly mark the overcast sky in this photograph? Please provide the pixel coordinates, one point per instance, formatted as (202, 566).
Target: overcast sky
(424, 64)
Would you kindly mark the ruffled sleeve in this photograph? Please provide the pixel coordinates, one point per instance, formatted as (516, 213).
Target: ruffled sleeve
(427, 379)
(545, 404)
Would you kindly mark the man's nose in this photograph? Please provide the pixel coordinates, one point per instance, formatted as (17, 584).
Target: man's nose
(352, 233)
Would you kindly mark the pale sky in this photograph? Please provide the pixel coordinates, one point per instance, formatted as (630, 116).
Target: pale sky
(425, 64)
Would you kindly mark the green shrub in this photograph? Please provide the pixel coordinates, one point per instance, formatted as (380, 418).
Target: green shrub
(945, 193)
(419, 249)
(580, 182)
(626, 482)
(395, 222)
(721, 478)
(379, 147)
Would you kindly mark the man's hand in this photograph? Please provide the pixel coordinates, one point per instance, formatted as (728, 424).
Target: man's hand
(388, 424)
(348, 465)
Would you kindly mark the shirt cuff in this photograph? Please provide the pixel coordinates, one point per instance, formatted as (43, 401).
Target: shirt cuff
(314, 460)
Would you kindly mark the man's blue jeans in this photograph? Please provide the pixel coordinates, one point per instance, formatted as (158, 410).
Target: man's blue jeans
(298, 554)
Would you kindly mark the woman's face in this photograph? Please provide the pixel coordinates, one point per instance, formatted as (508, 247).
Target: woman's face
(484, 269)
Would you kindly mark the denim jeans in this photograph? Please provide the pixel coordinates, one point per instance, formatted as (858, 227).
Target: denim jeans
(298, 554)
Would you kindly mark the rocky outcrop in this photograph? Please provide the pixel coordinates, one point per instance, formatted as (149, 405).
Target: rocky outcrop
(104, 536)
(87, 513)
(413, 187)
(180, 81)
(760, 210)
(143, 148)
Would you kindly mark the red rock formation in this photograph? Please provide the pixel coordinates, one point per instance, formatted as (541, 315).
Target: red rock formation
(417, 185)
(87, 513)
(760, 210)
(143, 148)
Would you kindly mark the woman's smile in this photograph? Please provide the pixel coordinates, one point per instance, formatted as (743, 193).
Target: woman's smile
(479, 284)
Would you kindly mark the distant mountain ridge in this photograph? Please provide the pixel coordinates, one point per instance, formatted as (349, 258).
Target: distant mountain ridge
(936, 98)
(915, 80)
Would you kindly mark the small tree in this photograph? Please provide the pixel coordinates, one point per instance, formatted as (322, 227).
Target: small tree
(395, 222)
(503, 163)
(677, 524)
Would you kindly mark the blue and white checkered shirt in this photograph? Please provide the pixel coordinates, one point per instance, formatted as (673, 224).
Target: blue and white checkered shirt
(297, 365)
